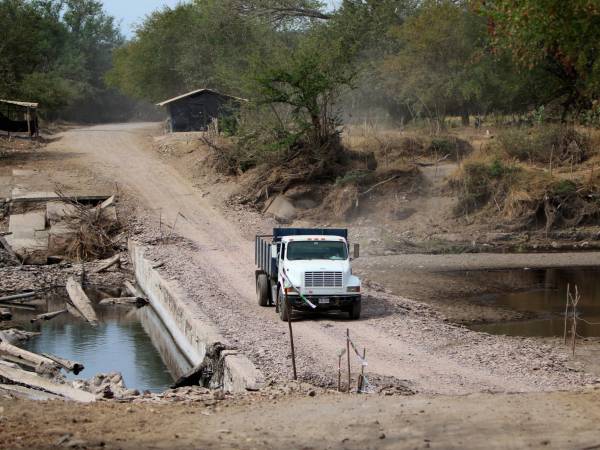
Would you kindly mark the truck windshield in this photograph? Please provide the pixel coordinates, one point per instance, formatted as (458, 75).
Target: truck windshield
(317, 250)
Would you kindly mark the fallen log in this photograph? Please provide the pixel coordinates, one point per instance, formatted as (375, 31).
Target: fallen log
(106, 203)
(133, 301)
(81, 301)
(28, 393)
(8, 364)
(17, 306)
(7, 348)
(5, 314)
(71, 366)
(22, 296)
(29, 379)
(108, 263)
(133, 290)
(47, 316)
(13, 335)
(73, 311)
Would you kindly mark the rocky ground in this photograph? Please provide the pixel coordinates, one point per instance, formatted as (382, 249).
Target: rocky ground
(311, 420)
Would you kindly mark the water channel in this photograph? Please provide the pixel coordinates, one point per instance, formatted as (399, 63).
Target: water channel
(129, 340)
(545, 299)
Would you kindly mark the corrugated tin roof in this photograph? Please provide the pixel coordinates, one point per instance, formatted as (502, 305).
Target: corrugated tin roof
(25, 104)
(197, 91)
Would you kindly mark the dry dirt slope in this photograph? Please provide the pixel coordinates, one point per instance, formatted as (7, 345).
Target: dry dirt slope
(431, 356)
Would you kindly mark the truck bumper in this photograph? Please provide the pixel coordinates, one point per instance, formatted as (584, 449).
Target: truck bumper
(324, 303)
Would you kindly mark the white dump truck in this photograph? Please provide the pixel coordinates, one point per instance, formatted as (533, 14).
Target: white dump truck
(311, 267)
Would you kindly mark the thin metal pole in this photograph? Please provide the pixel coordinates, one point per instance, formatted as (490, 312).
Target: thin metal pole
(340, 372)
(289, 307)
(348, 352)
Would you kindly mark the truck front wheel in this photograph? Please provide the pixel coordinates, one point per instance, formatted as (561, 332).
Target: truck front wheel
(284, 308)
(262, 289)
(355, 310)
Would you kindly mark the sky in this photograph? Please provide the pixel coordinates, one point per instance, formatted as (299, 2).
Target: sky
(130, 12)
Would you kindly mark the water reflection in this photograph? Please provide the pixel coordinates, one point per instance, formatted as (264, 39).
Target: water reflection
(131, 341)
(547, 301)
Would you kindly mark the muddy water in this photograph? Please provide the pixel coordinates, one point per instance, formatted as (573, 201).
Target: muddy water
(544, 300)
(127, 340)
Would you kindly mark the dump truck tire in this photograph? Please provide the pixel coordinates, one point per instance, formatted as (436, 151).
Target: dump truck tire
(284, 308)
(355, 310)
(262, 289)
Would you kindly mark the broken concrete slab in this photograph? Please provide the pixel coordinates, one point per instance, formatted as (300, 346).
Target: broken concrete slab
(60, 237)
(281, 208)
(21, 195)
(24, 172)
(56, 211)
(25, 225)
(29, 250)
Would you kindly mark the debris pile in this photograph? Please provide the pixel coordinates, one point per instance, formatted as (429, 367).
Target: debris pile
(59, 227)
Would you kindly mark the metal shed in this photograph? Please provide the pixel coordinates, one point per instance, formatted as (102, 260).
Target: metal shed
(19, 117)
(196, 110)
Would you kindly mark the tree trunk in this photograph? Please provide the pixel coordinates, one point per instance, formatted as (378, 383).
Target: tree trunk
(81, 301)
(465, 118)
(33, 380)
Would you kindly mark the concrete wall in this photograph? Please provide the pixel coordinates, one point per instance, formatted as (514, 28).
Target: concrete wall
(189, 326)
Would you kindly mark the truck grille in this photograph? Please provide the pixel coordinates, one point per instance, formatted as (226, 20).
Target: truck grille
(322, 279)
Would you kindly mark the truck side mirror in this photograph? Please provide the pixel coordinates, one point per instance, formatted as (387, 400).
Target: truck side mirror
(274, 251)
(356, 250)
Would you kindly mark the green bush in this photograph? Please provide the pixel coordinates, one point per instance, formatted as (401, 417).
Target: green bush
(482, 180)
(357, 177)
(454, 147)
(564, 187)
(543, 143)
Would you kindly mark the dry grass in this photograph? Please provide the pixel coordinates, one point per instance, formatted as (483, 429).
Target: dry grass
(391, 146)
(523, 196)
(94, 231)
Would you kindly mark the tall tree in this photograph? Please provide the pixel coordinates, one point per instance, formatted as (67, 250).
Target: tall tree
(559, 36)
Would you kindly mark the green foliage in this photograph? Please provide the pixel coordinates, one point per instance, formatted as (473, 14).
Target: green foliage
(564, 187)
(357, 177)
(559, 36)
(443, 66)
(543, 143)
(55, 52)
(199, 44)
(482, 181)
(308, 80)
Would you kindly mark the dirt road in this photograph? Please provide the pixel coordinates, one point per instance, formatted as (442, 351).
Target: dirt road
(416, 347)
(554, 421)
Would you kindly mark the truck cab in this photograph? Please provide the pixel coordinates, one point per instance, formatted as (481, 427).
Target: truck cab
(307, 269)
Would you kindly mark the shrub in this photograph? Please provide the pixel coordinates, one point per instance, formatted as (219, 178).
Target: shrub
(482, 180)
(543, 143)
(454, 147)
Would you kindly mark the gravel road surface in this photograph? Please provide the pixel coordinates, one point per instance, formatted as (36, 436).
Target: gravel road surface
(407, 343)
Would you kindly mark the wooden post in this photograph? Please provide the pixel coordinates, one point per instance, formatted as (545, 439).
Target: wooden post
(289, 307)
(361, 379)
(567, 312)
(28, 123)
(574, 326)
(348, 352)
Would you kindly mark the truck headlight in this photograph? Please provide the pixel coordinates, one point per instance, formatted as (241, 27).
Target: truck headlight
(353, 289)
